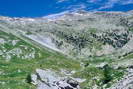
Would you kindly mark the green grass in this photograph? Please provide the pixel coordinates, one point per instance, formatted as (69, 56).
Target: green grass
(100, 76)
(15, 72)
(10, 69)
(129, 56)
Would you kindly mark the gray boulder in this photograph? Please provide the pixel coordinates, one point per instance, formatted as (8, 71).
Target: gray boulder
(47, 79)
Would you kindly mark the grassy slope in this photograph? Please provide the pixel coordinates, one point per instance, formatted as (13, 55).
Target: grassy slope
(15, 71)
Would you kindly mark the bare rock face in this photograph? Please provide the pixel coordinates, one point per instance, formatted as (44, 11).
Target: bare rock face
(47, 79)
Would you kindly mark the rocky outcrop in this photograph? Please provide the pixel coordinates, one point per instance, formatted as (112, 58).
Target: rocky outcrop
(47, 79)
(116, 38)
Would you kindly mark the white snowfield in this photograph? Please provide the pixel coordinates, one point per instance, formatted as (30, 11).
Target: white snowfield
(43, 40)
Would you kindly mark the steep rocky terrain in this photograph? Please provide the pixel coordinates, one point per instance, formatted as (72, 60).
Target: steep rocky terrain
(86, 50)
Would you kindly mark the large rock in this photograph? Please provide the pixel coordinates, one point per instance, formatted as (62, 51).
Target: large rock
(47, 79)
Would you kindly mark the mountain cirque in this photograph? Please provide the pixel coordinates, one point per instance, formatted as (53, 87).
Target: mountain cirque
(93, 47)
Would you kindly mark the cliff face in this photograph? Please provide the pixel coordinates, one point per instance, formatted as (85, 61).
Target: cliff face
(100, 41)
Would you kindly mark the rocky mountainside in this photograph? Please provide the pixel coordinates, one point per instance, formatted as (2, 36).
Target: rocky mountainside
(88, 50)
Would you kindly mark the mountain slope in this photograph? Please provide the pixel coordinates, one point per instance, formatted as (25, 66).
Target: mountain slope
(19, 59)
(92, 46)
